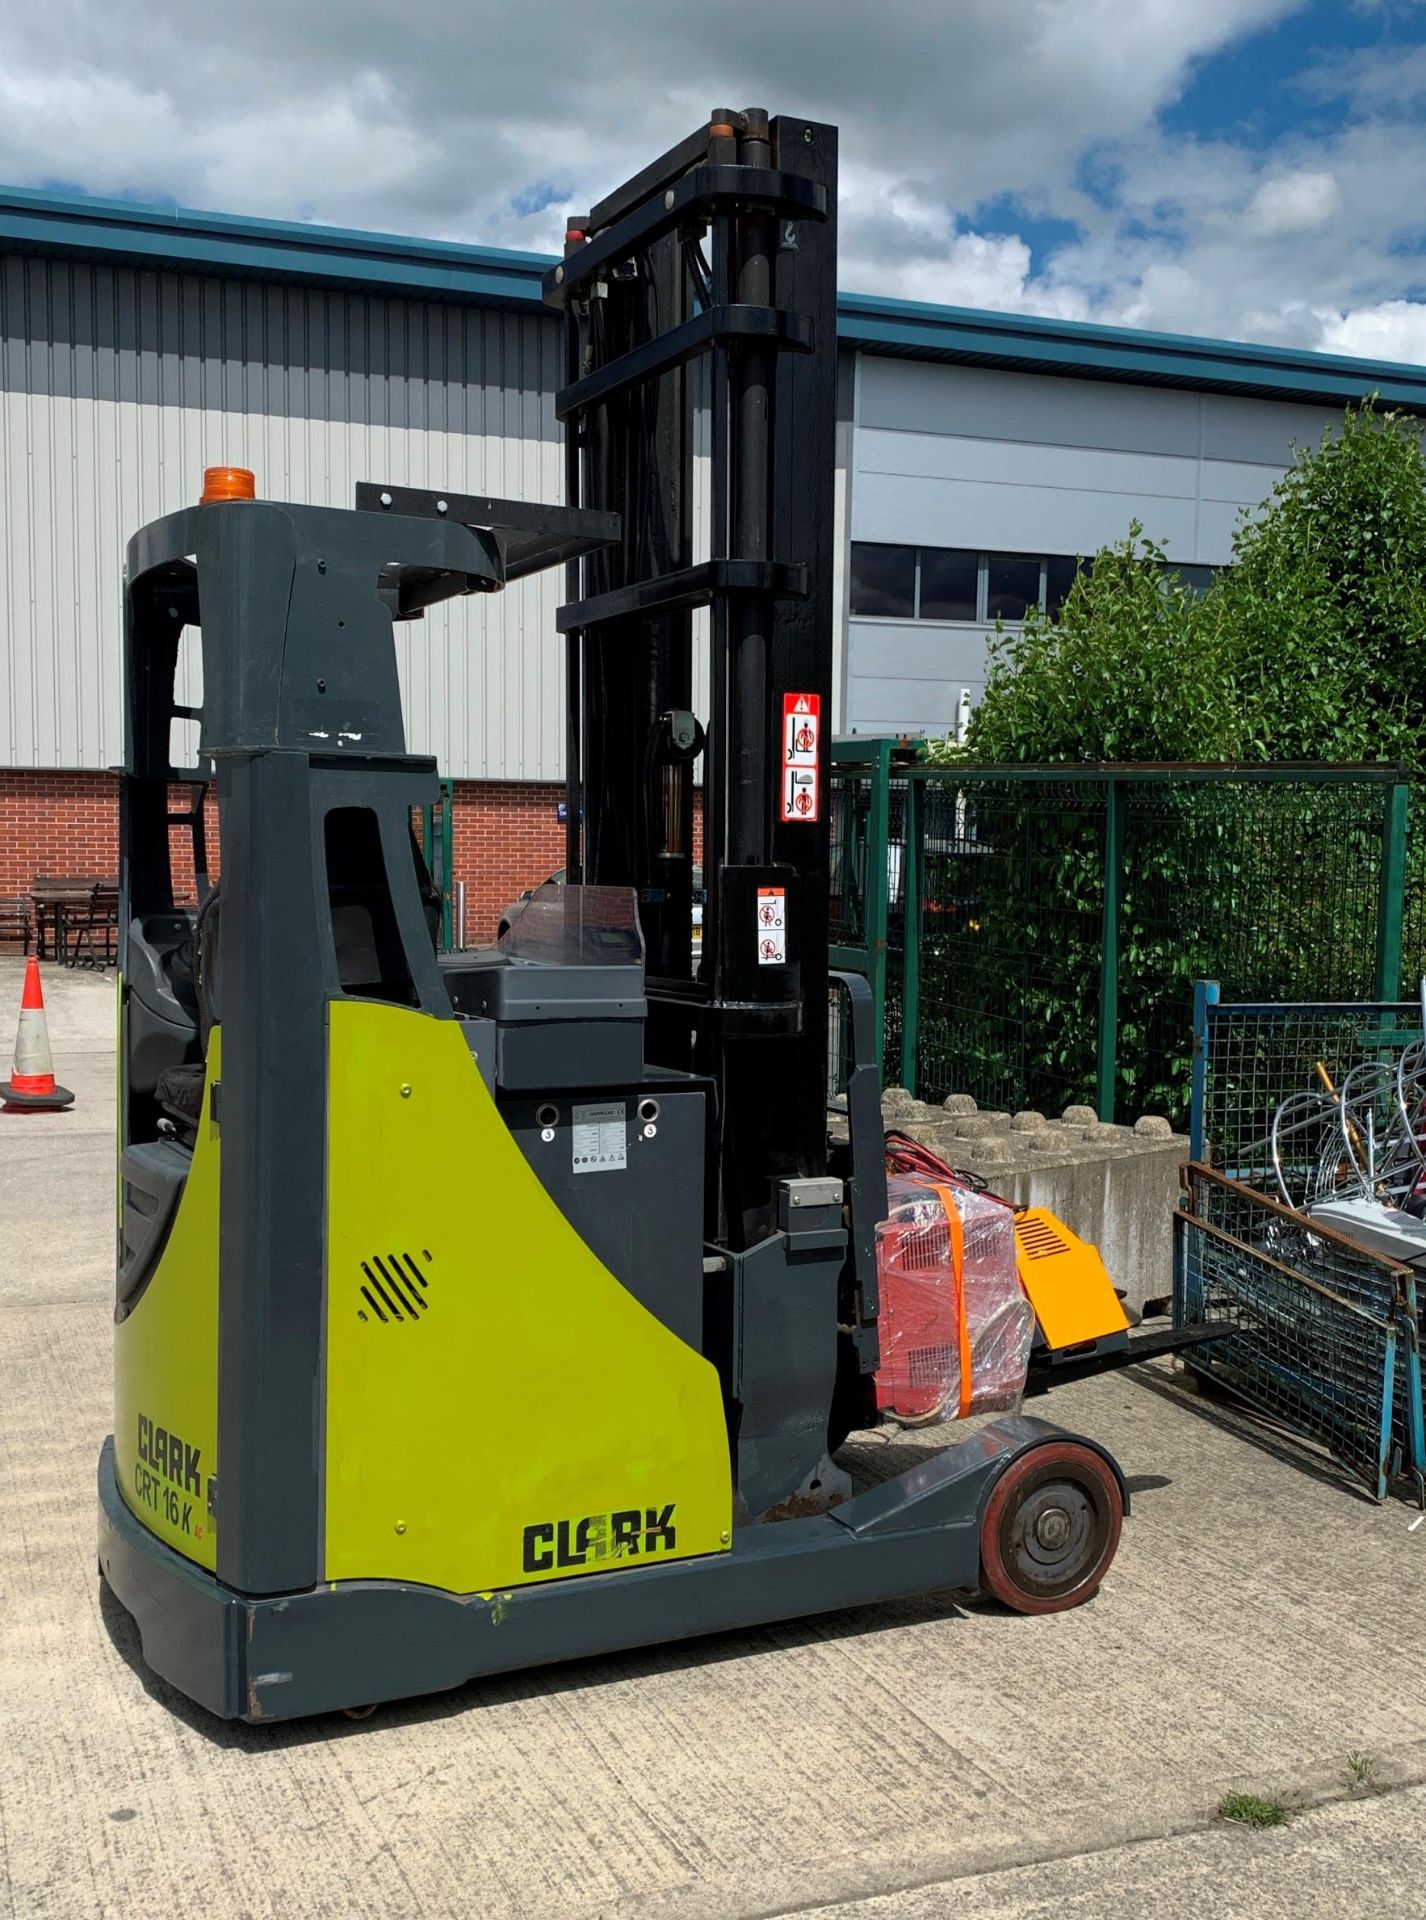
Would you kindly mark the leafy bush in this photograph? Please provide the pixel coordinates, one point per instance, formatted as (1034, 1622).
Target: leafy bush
(1321, 620)
(1303, 650)
(1132, 669)
(1307, 648)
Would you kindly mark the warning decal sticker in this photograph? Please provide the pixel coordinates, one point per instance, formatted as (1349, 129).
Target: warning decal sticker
(772, 926)
(801, 748)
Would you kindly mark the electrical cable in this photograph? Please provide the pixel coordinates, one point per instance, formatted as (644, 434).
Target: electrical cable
(917, 1162)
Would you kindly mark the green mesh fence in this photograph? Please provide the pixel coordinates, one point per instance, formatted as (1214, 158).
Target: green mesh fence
(1413, 925)
(851, 809)
(1033, 935)
(1012, 907)
(1272, 889)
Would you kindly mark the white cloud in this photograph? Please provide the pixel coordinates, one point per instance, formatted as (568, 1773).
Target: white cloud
(467, 119)
(1369, 82)
(988, 270)
(1284, 246)
(986, 97)
(1392, 330)
(1292, 203)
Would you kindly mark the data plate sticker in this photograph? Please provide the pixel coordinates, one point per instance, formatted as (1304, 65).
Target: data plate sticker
(600, 1138)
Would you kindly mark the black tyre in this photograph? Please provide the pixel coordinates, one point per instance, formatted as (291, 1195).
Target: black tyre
(1050, 1528)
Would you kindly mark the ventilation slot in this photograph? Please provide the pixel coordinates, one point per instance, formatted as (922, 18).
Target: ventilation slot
(1037, 1241)
(932, 1366)
(925, 1248)
(394, 1288)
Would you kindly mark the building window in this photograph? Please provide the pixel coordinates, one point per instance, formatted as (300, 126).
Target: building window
(1196, 578)
(1060, 575)
(884, 581)
(950, 584)
(956, 583)
(1012, 586)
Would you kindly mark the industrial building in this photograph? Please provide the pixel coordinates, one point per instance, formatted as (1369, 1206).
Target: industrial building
(979, 455)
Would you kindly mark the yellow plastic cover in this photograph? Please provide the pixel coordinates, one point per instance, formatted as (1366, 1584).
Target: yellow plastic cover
(499, 1409)
(1067, 1282)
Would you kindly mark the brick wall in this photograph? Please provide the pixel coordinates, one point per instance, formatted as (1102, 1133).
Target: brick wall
(57, 823)
(67, 825)
(506, 837)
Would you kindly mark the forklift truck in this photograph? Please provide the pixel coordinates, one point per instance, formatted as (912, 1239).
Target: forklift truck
(493, 1308)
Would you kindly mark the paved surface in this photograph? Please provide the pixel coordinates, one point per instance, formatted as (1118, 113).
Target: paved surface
(1261, 1623)
(1354, 1859)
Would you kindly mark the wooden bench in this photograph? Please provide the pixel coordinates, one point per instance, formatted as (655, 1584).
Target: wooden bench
(67, 912)
(95, 937)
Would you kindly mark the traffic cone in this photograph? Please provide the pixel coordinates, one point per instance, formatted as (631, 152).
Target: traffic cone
(31, 1088)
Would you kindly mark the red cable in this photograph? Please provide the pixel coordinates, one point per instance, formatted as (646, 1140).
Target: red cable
(908, 1157)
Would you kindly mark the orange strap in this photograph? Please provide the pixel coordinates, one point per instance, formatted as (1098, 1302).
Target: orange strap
(958, 1264)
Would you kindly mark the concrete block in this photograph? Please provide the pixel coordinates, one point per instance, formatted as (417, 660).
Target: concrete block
(959, 1103)
(1052, 1138)
(939, 1134)
(1027, 1121)
(1080, 1117)
(1153, 1126)
(1120, 1195)
(1114, 1187)
(993, 1150)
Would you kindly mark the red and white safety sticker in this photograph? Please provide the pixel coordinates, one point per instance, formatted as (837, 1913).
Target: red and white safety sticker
(772, 926)
(801, 751)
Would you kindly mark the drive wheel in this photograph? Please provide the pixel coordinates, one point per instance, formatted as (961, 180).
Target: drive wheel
(1050, 1528)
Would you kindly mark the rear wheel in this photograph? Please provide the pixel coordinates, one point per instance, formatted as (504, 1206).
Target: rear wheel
(1050, 1528)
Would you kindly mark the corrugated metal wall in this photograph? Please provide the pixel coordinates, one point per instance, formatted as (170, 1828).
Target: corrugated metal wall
(118, 386)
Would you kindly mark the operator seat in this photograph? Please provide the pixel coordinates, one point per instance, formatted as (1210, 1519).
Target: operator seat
(180, 1089)
(194, 969)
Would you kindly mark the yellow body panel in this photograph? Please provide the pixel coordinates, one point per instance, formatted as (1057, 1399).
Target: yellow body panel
(525, 1394)
(1067, 1283)
(166, 1366)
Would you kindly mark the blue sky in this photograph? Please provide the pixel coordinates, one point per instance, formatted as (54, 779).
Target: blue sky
(1253, 93)
(1245, 168)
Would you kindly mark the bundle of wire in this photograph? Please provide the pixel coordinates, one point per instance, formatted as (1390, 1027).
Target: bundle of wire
(910, 1159)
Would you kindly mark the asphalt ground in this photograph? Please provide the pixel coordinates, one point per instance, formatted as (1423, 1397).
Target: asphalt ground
(1262, 1623)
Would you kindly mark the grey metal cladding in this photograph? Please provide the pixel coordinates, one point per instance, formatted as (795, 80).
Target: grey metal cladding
(88, 331)
(1042, 409)
(119, 384)
(1259, 432)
